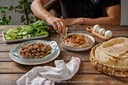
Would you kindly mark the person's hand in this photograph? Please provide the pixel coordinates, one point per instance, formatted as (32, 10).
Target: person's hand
(58, 24)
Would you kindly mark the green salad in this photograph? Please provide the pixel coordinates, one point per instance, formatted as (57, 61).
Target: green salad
(38, 28)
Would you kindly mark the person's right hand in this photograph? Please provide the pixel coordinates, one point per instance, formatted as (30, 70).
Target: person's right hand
(57, 23)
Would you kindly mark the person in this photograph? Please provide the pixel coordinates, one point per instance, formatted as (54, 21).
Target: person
(74, 12)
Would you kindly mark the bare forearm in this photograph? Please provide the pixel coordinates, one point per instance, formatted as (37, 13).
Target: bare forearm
(39, 10)
(101, 21)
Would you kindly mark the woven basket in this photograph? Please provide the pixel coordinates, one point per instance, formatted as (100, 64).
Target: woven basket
(107, 69)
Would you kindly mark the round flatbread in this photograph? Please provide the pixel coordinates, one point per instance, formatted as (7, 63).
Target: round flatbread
(116, 47)
(113, 52)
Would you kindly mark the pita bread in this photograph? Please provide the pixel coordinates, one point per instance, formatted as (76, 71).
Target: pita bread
(116, 47)
(113, 52)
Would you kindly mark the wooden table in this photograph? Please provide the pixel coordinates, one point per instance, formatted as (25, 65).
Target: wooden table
(10, 71)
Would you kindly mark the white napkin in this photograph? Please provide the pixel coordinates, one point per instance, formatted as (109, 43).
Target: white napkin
(48, 75)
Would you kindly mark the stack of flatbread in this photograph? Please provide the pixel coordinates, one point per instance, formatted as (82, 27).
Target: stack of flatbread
(111, 57)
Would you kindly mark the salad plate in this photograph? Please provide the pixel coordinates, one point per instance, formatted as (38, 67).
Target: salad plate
(33, 31)
(25, 39)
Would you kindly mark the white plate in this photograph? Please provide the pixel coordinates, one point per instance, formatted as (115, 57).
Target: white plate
(46, 60)
(75, 48)
(18, 40)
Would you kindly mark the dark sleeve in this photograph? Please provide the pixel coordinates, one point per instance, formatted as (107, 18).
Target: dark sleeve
(109, 3)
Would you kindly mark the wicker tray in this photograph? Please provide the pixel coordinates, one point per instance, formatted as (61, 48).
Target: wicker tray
(107, 69)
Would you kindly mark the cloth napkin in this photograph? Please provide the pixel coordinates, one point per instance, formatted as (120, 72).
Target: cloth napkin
(48, 75)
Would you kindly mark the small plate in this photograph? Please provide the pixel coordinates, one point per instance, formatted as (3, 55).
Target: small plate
(75, 48)
(19, 40)
(16, 50)
(46, 60)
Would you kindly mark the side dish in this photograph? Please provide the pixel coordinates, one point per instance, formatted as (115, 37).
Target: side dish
(34, 52)
(77, 40)
(37, 29)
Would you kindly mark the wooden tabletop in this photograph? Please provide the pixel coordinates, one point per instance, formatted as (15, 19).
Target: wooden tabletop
(11, 71)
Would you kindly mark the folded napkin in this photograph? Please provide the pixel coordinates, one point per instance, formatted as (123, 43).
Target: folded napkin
(48, 75)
